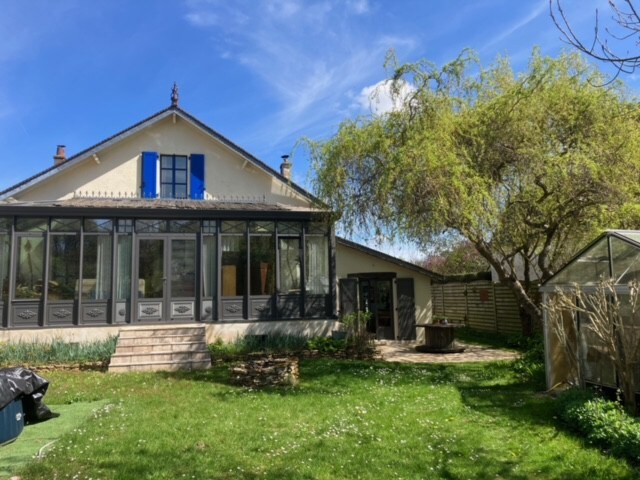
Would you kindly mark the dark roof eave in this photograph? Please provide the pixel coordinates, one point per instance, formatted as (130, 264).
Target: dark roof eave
(101, 211)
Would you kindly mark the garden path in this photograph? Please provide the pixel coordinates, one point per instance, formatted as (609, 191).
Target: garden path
(405, 352)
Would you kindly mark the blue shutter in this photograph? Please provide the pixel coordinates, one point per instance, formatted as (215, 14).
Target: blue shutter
(149, 174)
(197, 176)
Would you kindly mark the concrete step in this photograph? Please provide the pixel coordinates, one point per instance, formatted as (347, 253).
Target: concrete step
(157, 348)
(133, 332)
(161, 347)
(156, 339)
(160, 366)
(163, 357)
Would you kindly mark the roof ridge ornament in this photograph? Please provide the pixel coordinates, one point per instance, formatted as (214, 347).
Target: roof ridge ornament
(174, 95)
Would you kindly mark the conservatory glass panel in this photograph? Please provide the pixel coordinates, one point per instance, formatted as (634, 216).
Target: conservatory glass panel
(65, 225)
(123, 261)
(290, 278)
(588, 268)
(262, 265)
(30, 267)
(625, 261)
(28, 224)
(5, 255)
(96, 267)
(183, 268)
(209, 264)
(5, 224)
(100, 225)
(317, 265)
(234, 265)
(64, 267)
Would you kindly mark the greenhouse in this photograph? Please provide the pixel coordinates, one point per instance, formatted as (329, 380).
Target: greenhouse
(580, 339)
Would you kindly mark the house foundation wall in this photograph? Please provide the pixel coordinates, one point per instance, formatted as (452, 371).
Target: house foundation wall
(224, 331)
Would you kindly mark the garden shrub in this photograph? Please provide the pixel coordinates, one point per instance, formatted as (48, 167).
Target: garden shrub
(603, 423)
(326, 344)
(530, 365)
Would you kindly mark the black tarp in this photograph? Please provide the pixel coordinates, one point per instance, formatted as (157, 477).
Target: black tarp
(20, 383)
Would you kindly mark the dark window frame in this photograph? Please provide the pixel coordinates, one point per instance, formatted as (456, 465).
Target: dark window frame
(172, 170)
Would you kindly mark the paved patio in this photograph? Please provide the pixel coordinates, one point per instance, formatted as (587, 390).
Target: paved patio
(405, 352)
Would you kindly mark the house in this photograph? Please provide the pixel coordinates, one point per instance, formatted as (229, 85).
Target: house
(575, 349)
(169, 222)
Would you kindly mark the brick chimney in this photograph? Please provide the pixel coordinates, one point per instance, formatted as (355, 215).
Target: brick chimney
(285, 167)
(60, 155)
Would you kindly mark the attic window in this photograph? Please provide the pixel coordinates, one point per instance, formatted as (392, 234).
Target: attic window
(173, 176)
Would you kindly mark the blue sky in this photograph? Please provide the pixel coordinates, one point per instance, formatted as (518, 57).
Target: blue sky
(262, 73)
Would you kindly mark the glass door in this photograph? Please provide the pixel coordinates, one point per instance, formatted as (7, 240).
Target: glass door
(151, 279)
(182, 285)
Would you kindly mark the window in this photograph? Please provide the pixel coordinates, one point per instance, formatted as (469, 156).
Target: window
(234, 265)
(317, 265)
(64, 267)
(173, 176)
(290, 279)
(30, 268)
(96, 267)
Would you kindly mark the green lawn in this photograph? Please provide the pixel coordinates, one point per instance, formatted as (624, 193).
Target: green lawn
(346, 419)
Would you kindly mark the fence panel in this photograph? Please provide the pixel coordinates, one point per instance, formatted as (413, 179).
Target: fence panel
(482, 305)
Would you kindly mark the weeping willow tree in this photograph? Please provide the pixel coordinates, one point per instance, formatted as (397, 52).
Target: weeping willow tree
(524, 166)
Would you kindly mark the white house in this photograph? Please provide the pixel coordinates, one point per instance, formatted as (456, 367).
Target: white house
(169, 222)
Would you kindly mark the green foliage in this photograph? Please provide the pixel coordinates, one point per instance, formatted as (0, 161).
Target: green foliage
(530, 365)
(603, 423)
(358, 338)
(274, 342)
(56, 352)
(326, 344)
(523, 166)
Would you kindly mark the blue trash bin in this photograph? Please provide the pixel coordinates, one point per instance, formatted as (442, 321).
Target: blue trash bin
(11, 422)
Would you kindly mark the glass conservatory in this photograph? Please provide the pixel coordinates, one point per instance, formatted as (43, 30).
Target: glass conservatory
(614, 256)
(177, 266)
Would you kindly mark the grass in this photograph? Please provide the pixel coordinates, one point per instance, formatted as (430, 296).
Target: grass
(37, 438)
(346, 419)
(36, 353)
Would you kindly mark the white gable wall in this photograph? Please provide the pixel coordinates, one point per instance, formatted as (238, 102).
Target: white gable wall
(227, 173)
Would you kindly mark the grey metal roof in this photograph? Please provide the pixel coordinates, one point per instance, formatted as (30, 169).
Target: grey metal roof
(172, 110)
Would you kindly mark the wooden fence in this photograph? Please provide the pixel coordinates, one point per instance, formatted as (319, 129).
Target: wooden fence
(482, 305)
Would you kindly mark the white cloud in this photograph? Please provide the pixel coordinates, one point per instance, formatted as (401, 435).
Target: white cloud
(380, 98)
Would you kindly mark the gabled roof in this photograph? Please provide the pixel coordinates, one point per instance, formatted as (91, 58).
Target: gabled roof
(172, 110)
(600, 259)
(388, 258)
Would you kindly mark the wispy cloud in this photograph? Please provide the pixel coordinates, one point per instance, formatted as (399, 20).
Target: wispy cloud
(542, 6)
(310, 56)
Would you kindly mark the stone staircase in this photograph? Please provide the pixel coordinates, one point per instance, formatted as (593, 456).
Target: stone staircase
(166, 348)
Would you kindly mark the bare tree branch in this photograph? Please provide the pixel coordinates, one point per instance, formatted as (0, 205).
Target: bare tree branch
(624, 15)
